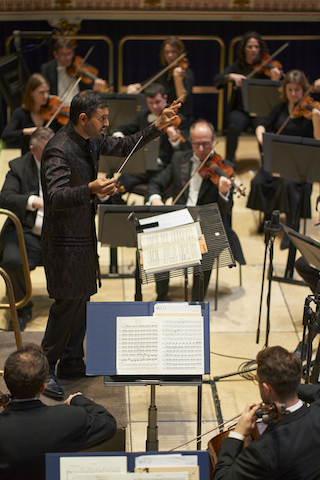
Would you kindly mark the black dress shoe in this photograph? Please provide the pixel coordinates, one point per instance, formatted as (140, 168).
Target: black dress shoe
(24, 316)
(53, 389)
(75, 368)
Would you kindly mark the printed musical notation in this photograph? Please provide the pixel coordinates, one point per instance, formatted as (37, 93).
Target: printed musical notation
(160, 345)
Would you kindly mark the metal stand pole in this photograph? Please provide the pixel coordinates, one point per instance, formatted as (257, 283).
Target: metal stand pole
(152, 442)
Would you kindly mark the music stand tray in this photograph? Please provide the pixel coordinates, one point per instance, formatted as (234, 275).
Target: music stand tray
(307, 246)
(293, 157)
(259, 96)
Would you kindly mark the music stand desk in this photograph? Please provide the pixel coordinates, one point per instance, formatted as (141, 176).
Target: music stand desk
(259, 96)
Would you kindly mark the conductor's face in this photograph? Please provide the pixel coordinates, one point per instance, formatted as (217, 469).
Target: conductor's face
(201, 138)
(94, 126)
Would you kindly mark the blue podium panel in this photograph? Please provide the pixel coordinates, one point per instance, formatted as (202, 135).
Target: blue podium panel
(101, 333)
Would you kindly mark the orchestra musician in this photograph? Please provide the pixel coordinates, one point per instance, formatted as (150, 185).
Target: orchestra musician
(169, 142)
(201, 191)
(251, 48)
(178, 81)
(269, 193)
(25, 119)
(287, 449)
(22, 194)
(59, 78)
(70, 185)
(30, 429)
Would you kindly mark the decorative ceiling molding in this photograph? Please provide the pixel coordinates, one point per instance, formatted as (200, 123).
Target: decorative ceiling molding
(232, 10)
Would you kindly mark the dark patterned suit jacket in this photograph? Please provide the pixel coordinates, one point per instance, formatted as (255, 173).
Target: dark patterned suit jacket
(69, 163)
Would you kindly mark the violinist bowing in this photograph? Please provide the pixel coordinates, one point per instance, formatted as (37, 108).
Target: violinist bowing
(200, 191)
(288, 449)
(56, 71)
(251, 47)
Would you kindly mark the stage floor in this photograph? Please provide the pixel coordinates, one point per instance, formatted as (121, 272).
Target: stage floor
(233, 325)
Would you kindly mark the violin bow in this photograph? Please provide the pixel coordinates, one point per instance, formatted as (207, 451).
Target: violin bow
(165, 69)
(75, 73)
(290, 114)
(206, 433)
(61, 104)
(118, 173)
(194, 173)
(268, 60)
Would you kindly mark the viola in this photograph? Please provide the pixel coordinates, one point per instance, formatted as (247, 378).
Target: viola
(215, 167)
(88, 73)
(266, 69)
(47, 111)
(306, 107)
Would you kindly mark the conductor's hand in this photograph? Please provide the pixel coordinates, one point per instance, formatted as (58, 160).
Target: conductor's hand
(247, 420)
(167, 116)
(224, 185)
(103, 186)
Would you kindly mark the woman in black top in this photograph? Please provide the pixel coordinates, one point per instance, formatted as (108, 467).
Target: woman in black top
(25, 119)
(251, 48)
(267, 192)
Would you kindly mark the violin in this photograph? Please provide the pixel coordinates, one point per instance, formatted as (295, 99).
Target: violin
(175, 124)
(88, 73)
(214, 168)
(47, 111)
(266, 69)
(306, 107)
(268, 413)
(184, 64)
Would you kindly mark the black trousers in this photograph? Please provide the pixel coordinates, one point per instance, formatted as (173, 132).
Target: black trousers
(65, 331)
(238, 121)
(12, 262)
(162, 287)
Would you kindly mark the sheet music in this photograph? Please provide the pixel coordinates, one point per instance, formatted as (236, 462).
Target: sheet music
(173, 248)
(70, 466)
(165, 460)
(176, 308)
(168, 220)
(172, 345)
(178, 475)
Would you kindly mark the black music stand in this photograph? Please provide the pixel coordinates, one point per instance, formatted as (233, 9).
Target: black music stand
(295, 158)
(123, 108)
(310, 250)
(114, 230)
(259, 96)
(14, 74)
(143, 159)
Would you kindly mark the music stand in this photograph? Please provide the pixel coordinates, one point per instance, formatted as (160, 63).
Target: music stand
(259, 96)
(114, 230)
(143, 159)
(295, 158)
(310, 251)
(14, 74)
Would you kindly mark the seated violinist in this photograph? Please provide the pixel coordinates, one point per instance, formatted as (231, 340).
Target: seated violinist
(250, 50)
(59, 71)
(178, 80)
(172, 140)
(289, 448)
(25, 119)
(201, 191)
